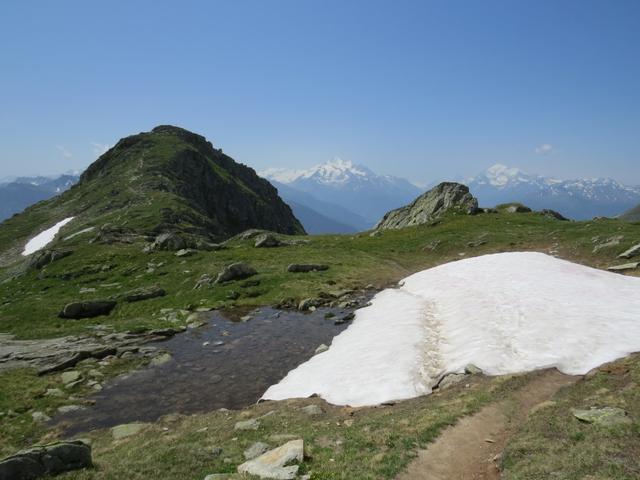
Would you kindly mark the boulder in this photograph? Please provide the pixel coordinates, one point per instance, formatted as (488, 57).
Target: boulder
(605, 416)
(235, 271)
(632, 252)
(312, 410)
(516, 208)
(449, 380)
(144, 294)
(273, 464)
(169, 241)
(624, 266)
(90, 309)
(44, 257)
(553, 214)
(306, 267)
(43, 460)
(471, 369)
(429, 206)
(267, 240)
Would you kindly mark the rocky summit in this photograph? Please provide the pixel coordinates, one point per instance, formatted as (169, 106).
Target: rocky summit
(430, 206)
(162, 181)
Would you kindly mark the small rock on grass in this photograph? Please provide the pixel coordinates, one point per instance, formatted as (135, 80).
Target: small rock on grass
(605, 416)
(247, 425)
(312, 410)
(127, 429)
(273, 464)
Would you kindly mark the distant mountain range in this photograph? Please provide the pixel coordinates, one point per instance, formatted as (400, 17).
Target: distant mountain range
(578, 199)
(16, 194)
(351, 195)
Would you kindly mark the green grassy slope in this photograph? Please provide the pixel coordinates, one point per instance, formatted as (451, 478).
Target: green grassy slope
(30, 302)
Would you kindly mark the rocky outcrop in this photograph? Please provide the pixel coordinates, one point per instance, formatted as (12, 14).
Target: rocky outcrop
(78, 310)
(431, 205)
(267, 240)
(44, 460)
(553, 214)
(144, 294)
(235, 271)
(44, 257)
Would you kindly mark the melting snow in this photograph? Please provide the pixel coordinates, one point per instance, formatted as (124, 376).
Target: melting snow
(505, 313)
(44, 238)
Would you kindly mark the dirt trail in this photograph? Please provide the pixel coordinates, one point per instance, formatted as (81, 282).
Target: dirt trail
(466, 450)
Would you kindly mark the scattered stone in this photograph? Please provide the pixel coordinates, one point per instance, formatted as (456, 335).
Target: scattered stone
(144, 294)
(127, 429)
(623, 267)
(252, 424)
(267, 240)
(309, 303)
(272, 464)
(306, 267)
(255, 450)
(235, 271)
(312, 410)
(78, 310)
(321, 348)
(70, 377)
(471, 369)
(609, 242)
(43, 460)
(160, 359)
(186, 252)
(54, 392)
(70, 408)
(40, 417)
(632, 252)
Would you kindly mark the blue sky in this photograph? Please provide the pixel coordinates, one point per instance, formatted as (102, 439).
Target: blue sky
(422, 89)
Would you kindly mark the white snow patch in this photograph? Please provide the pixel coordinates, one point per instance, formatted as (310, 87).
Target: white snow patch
(44, 238)
(505, 313)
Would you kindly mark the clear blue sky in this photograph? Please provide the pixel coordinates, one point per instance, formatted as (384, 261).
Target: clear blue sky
(421, 89)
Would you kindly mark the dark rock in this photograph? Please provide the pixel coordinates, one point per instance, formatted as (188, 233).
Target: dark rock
(553, 214)
(44, 257)
(344, 319)
(430, 206)
(235, 271)
(169, 241)
(306, 267)
(514, 208)
(72, 360)
(144, 294)
(46, 460)
(267, 240)
(90, 309)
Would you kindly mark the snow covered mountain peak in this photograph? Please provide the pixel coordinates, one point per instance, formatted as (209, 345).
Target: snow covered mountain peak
(579, 198)
(333, 172)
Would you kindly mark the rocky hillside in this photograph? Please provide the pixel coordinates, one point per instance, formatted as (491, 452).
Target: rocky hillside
(166, 180)
(430, 205)
(632, 215)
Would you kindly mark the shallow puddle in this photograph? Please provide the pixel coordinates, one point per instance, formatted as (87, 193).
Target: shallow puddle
(224, 364)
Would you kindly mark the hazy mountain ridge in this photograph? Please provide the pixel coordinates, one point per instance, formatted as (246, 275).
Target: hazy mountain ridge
(575, 198)
(354, 187)
(16, 194)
